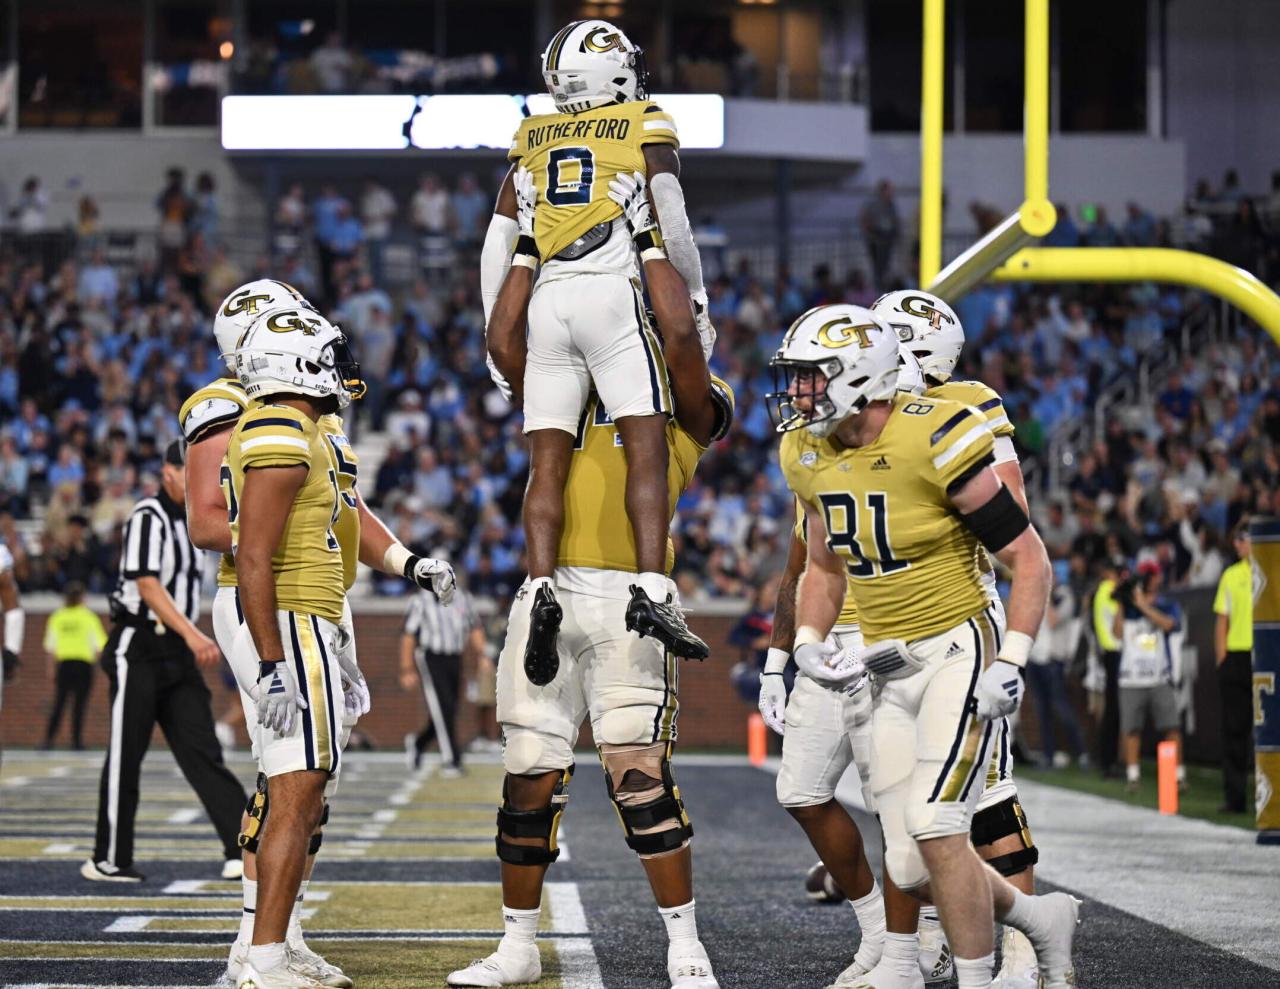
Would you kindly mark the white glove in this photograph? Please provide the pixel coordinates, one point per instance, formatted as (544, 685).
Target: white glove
(431, 575)
(832, 667)
(628, 192)
(526, 200)
(278, 696)
(772, 701)
(999, 690)
(702, 320)
(355, 692)
(502, 384)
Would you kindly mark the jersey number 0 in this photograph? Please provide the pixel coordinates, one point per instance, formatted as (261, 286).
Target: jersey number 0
(563, 188)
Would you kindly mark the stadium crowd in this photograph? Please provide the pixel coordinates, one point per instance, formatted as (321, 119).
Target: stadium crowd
(96, 359)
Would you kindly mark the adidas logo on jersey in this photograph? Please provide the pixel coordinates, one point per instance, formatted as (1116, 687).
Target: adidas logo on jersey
(955, 650)
(881, 463)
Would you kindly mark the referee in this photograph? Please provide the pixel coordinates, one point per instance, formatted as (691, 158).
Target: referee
(150, 658)
(434, 638)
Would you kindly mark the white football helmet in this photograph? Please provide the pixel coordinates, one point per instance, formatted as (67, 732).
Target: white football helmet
(297, 350)
(835, 360)
(247, 303)
(592, 63)
(910, 373)
(926, 326)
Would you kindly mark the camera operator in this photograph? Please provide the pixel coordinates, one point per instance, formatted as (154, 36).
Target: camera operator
(1149, 628)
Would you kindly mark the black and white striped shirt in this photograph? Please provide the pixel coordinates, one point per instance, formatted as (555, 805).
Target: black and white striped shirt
(439, 629)
(156, 544)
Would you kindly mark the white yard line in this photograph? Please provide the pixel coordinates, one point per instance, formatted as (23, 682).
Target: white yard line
(579, 968)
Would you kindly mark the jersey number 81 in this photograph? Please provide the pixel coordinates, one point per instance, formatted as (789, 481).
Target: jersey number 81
(842, 538)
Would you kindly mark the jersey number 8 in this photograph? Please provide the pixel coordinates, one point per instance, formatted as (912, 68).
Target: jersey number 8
(570, 190)
(842, 539)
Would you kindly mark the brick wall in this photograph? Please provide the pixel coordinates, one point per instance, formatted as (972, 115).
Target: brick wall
(712, 715)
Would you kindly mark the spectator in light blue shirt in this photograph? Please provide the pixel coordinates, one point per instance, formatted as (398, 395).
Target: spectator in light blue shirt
(324, 213)
(471, 208)
(98, 280)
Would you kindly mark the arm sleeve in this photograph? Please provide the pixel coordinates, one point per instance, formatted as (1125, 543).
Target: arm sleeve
(275, 436)
(677, 236)
(495, 259)
(143, 544)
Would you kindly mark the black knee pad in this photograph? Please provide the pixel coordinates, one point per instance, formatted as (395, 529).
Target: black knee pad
(999, 821)
(256, 808)
(666, 808)
(541, 823)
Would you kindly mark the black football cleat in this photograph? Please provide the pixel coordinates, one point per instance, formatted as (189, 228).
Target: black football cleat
(664, 622)
(541, 659)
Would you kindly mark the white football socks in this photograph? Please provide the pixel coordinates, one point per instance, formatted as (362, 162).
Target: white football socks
(655, 585)
(294, 934)
(249, 889)
(870, 913)
(901, 953)
(1027, 915)
(974, 973)
(521, 927)
(682, 925)
(265, 957)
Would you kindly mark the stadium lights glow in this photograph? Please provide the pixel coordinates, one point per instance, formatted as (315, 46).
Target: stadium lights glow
(378, 123)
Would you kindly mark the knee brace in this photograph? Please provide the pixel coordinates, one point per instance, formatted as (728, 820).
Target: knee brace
(256, 808)
(317, 836)
(999, 821)
(541, 823)
(646, 798)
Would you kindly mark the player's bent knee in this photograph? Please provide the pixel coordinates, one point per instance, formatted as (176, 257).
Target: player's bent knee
(645, 795)
(527, 836)
(993, 825)
(905, 865)
(255, 815)
(528, 753)
(631, 725)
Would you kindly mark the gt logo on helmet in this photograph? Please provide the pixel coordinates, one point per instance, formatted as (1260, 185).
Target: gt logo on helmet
(244, 304)
(289, 321)
(842, 332)
(607, 41)
(915, 306)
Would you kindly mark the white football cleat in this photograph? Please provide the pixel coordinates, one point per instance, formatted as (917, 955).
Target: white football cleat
(1018, 968)
(303, 959)
(284, 977)
(691, 968)
(935, 955)
(1053, 949)
(884, 976)
(866, 959)
(851, 976)
(235, 962)
(508, 966)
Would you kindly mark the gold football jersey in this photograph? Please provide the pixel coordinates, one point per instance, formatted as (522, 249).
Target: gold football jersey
(308, 562)
(573, 156)
(988, 402)
(597, 532)
(347, 528)
(912, 562)
(848, 610)
(219, 403)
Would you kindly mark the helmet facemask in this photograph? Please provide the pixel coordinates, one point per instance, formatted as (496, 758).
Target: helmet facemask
(808, 382)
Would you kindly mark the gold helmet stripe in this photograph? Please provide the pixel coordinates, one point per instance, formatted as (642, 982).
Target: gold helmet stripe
(557, 43)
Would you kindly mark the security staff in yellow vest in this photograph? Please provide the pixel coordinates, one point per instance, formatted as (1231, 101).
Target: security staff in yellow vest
(73, 638)
(1105, 609)
(1233, 648)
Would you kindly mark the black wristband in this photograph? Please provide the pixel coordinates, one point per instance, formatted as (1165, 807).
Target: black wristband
(266, 668)
(528, 246)
(409, 564)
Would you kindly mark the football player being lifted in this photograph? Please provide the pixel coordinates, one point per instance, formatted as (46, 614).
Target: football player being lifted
(898, 493)
(587, 333)
(207, 419)
(626, 685)
(930, 330)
